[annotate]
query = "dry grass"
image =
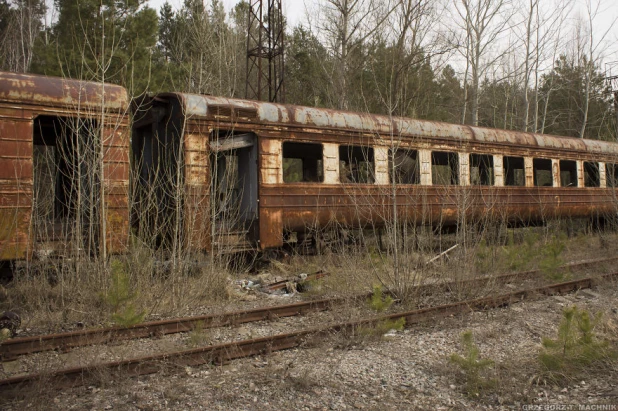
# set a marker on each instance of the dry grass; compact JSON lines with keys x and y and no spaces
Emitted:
{"x":77,"y":296}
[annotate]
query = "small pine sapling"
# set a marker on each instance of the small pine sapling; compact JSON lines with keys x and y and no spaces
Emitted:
{"x":121,"y":299}
{"x":378,"y":301}
{"x":472,"y":366}
{"x":577,"y":346}
{"x":552,"y":263}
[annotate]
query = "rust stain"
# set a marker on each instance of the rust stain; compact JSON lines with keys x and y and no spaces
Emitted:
{"x":59,"y":92}
{"x":24,"y":97}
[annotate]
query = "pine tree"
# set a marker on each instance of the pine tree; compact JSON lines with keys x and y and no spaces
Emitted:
{"x":102,"y":41}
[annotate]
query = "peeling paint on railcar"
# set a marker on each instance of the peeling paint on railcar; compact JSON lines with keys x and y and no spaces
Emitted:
{"x":22,"y":99}
{"x":196,"y":105}
{"x":60,"y":92}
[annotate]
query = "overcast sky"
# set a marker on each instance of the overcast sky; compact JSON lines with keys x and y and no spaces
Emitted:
{"x":296,"y":13}
{"x":294,"y":10}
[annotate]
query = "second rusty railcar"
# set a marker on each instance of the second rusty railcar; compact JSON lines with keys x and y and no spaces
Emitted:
{"x":261,"y":174}
{"x":64,"y":167}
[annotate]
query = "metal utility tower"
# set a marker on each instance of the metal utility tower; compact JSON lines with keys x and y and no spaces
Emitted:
{"x":265,"y":51}
{"x":611,"y":77}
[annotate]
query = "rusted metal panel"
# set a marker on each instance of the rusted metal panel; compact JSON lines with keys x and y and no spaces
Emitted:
{"x":379,"y":125}
{"x":424,"y":157}
{"x":580,"y":174}
{"x":271,"y":228}
{"x":381,"y":164}
{"x":197,"y":191}
{"x":271,"y":168}
{"x":23,"y":98}
{"x":464,"y":169}
{"x":16,"y":169}
{"x":14,"y":233}
{"x":602,"y":175}
{"x":498,"y":170}
{"x":16,"y":173}
{"x":555,"y":172}
{"x":330,"y":153}
{"x":310,"y":205}
{"x":58,"y":92}
{"x":529,"y":171}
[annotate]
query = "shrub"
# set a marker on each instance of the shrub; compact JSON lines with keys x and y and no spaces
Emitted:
{"x":382,"y":327}
{"x":378,"y":301}
{"x":472,"y":366}
{"x":483,"y":260}
{"x":551,"y":264}
{"x":121,"y":299}
{"x":577,"y":346}
{"x":197,"y":335}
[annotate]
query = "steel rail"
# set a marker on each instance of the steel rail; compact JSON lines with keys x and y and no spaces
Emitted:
{"x":15,"y":347}
{"x":224,"y":352}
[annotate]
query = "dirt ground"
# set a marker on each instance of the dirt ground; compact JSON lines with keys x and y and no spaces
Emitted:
{"x":406,"y":369}
{"x":401,"y":370}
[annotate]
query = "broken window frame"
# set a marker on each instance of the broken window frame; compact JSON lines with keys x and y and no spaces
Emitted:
{"x":401,"y":173}
{"x":452,"y":165}
{"x":541,"y":172}
{"x":592,"y":174}
{"x":510,"y":177}
{"x":486,"y":178}
{"x":305,"y":170}
{"x":611,"y":175}
{"x":362,"y":169}
{"x":570,"y":167}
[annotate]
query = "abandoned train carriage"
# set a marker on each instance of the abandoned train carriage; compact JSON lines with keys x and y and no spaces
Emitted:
{"x":64,"y":166}
{"x":278,"y":171}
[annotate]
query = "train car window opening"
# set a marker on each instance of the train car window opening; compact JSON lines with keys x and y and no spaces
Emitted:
{"x":356,"y":164}
{"x":303,"y":162}
{"x":403,"y":167}
{"x":444,"y":168}
{"x":542,"y":172}
{"x":481,"y":169}
{"x":611,"y":174}
{"x":66,"y":177}
{"x":514,"y":171}
{"x":568,"y":173}
{"x":591,"y":174}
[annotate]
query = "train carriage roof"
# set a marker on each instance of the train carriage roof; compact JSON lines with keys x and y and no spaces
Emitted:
{"x":203,"y":105}
{"x":60,"y":92}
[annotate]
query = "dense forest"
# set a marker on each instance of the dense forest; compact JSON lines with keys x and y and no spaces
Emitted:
{"x":509,"y":64}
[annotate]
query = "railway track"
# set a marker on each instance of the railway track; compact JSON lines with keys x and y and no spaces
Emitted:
{"x":13,"y":348}
{"x":222,"y":353}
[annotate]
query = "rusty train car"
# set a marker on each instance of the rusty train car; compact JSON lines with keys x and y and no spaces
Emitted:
{"x":64,"y":166}
{"x":295,"y":169}
{"x":80,"y":164}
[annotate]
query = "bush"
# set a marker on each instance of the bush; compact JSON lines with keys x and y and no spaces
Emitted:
{"x":121,"y":299}
{"x":520,"y":256}
{"x":472,"y":366}
{"x":577,"y":346}
{"x":381,"y":328}
{"x":378,"y":301}
{"x":552,"y":262}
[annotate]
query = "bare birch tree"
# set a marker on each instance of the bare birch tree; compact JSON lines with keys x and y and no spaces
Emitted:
{"x":482,"y":23}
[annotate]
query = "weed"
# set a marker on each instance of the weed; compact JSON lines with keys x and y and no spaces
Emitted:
{"x":520,"y":256}
{"x":577,"y":346}
{"x":121,"y":299}
{"x":382,"y":327}
{"x":378,"y":301}
{"x":552,"y":259}
{"x":472,"y":366}
{"x":197,"y":336}
{"x":483,"y":260}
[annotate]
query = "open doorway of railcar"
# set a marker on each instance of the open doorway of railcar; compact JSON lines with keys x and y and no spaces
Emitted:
{"x":234,"y":188}
{"x":66,"y":185}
